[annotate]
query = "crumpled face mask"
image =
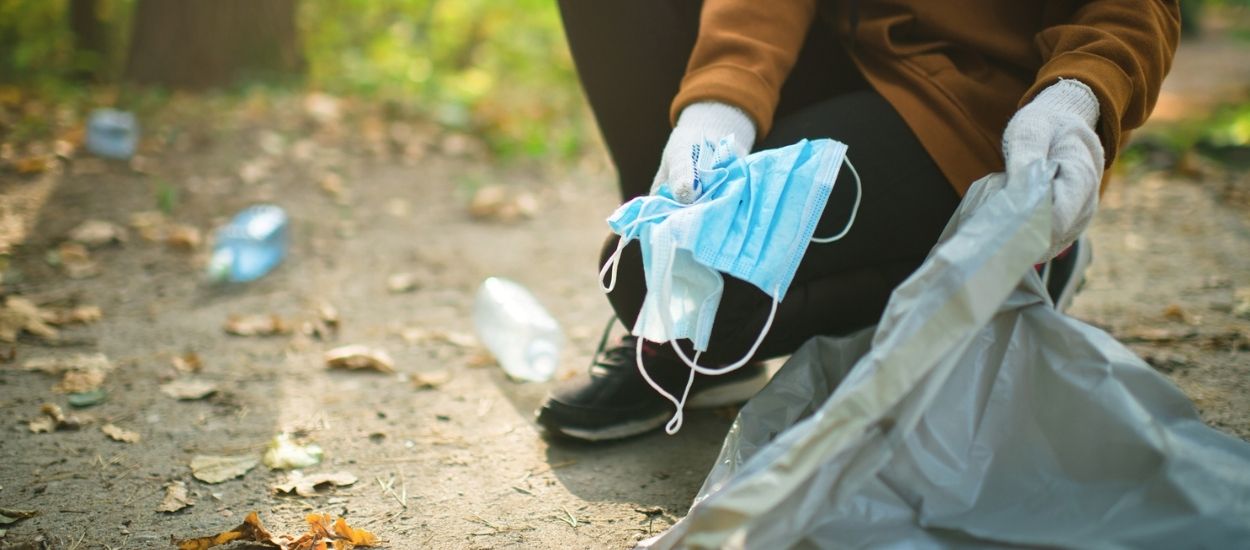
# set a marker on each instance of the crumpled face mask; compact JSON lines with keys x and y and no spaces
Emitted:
{"x":753,"y":219}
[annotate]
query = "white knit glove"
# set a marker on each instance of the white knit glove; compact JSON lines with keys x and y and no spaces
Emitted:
{"x":699,"y":124}
{"x":1059,"y":126}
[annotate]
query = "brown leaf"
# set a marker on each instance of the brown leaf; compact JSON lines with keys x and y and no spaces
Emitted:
{"x":76,"y":262}
{"x":20,"y":315}
{"x":80,"y":381}
{"x":401,"y":282}
{"x":94,"y":233}
{"x":256,"y":325}
{"x":37,"y":164}
{"x":76,"y":315}
{"x":250,"y":530}
{"x":430,"y":380}
{"x":76,"y":362}
{"x":216,"y":469}
{"x":183,"y":237}
{"x":306,"y":486}
{"x":188,"y":362}
{"x":358,"y":357}
{"x":184,"y":389}
{"x":118,"y":434}
{"x":52,"y":419}
{"x":176,"y":498}
{"x":150,"y":225}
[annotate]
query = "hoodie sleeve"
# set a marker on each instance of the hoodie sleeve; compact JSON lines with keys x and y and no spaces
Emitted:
{"x":1121,"y":49}
{"x":743,"y":54}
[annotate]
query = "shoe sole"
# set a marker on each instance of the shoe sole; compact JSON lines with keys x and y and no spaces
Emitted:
{"x":719,"y":396}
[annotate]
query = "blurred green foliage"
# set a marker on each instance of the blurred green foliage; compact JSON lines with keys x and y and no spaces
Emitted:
{"x":499,"y":69}
{"x":496,"y":67}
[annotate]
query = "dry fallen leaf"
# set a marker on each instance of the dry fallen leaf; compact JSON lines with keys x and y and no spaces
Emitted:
{"x":216,"y":469}
{"x":306,"y":486}
{"x":497,"y":203}
{"x":417,"y":335}
{"x":33,"y":165}
{"x":80,"y":381}
{"x":118,"y":434}
{"x":323,"y":533}
{"x":285,"y":454}
{"x":332,"y":184}
{"x":82,"y":372}
{"x":20,"y":315}
{"x":250,"y":530}
{"x":254,"y":170}
{"x":183,"y":237}
{"x":95,"y":233}
{"x":188,"y":362}
{"x":176,"y":498}
{"x":321,"y":107}
{"x":150,"y":225}
{"x":52,"y":419}
{"x":1242,"y":306}
{"x":256,"y":325}
{"x":76,"y":261}
{"x":184,"y":389}
{"x":430,"y":380}
{"x":76,"y":362}
{"x":75,"y":315}
{"x":358,"y":357}
{"x":401,"y":282}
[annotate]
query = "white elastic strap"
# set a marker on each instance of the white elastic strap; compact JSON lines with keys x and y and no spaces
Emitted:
{"x":859,"y":195}
{"x":613,"y":261}
{"x":693,"y":363}
{"x":674,"y":423}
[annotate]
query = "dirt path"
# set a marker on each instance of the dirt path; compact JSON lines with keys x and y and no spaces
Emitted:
{"x":461,"y":465}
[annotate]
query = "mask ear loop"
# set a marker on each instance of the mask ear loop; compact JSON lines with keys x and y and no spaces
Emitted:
{"x":613,"y":262}
{"x":674,"y":423}
{"x":859,"y":195}
{"x":693,"y":363}
{"x":615,"y":259}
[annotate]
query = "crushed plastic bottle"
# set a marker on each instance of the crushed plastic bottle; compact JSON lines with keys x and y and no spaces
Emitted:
{"x":251,"y":245}
{"x":112,"y":134}
{"x":522,"y":336}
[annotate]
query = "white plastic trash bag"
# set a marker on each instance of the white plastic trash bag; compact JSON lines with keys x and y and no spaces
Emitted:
{"x":973,"y":416}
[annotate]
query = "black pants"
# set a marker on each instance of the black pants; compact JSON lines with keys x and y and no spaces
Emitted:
{"x":631,"y":55}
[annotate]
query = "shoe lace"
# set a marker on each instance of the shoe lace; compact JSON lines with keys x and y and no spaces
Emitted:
{"x":619,"y":355}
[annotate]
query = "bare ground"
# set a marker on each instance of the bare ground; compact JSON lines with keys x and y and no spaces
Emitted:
{"x":461,"y":465}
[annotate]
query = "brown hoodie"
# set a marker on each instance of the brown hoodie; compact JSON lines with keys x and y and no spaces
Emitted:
{"x":956,"y":70}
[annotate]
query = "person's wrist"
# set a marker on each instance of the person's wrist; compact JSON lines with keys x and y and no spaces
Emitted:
{"x":1072,"y":96}
{"x":716,"y":120}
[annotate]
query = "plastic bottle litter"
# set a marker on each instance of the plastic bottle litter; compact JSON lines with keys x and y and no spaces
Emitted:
{"x":112,"y":134}
{"x":251,"y":245}
{"x":517,"y":330}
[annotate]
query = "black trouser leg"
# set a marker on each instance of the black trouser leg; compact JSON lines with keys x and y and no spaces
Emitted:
{"x":630,"y":57}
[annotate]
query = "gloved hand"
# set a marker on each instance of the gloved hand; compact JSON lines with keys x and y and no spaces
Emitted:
{"x":1059,"y":126}
{"x":705,"y":121}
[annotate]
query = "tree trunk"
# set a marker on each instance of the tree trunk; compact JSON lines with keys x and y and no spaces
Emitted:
{"x":90,"y":38}
{"x":198,"y":44}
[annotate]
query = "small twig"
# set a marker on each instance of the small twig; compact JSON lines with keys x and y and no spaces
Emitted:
{"x":388,"y":487}
{"x":571,"y":520}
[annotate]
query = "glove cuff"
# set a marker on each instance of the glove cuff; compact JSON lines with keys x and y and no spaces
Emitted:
{"x":718,"y":120}
{"x":1071,"y":96}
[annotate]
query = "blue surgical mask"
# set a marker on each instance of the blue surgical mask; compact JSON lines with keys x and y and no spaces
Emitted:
{"x":753,"y":219}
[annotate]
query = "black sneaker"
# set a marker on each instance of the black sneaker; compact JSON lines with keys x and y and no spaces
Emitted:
{"x":1065,"y":274}
{"x":613,"y":401}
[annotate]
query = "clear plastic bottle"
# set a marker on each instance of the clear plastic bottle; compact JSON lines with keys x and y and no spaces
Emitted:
{"x":517,"y":330}
{"x":251,"y":245}
{"x":112,"y":134}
